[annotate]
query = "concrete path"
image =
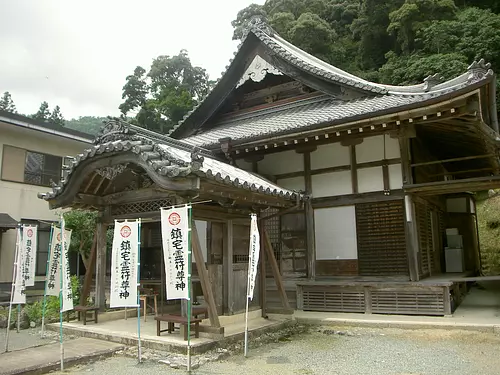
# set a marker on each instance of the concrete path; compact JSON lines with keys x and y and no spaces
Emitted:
{"x":46,"y":358}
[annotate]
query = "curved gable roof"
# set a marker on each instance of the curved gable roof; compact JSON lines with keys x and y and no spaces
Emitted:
{"x":261,"y":37}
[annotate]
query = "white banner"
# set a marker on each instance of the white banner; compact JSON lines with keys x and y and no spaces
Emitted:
{"x":19,"y":294}
{"x":29,"y":245}
{"x":67,"y":291}
{"x":54,"y":270}
{"x":253,"y":255}
{"x":175,"y":236}
{"x":124,"y":260}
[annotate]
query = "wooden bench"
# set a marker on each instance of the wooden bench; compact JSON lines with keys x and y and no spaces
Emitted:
{"x":182,"y":320}
{"x":85,"y":309}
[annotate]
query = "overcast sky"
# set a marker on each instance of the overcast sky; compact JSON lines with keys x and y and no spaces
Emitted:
{"x":77,"y":54}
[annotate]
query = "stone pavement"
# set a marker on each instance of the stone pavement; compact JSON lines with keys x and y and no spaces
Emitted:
{"x":43,"y":359}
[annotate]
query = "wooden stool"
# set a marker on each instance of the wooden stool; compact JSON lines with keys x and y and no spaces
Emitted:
{"x":172,"y":319}
{"x":84,"y":309}
{"x":144,"y":299}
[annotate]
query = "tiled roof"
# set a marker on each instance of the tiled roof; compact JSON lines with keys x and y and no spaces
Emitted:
{"x":302,"y":60}
{"x":168,"y":159}
{"x":304,"y":115}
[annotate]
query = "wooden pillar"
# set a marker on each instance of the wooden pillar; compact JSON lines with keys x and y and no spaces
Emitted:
{"x":204,"y":279}
{"x":262,"y":271}
{"x":309,"y":213}
{"x":412,"y":244}
{"x":354,"y":168}
{"x":227,"y":256}
{"x":100,"y":299}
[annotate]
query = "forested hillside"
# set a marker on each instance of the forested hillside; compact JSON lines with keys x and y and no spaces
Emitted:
{"x":389,"y":41}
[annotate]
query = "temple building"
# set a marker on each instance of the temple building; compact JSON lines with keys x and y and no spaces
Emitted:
{"x":363,"y":190}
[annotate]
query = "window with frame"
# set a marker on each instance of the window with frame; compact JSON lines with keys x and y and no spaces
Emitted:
{"x":35,"y":168}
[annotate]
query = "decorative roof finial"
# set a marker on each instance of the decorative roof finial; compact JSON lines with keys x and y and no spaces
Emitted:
{"x":112,"y":130}
{"x":257,"y":23}
{"x":431,"y":81}
{"x":478,"y":70}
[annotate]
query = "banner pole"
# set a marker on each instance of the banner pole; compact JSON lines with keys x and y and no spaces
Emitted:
{"x":46,"y":281}
{"x":18,"y":326}
{"x":189,"y":304}
{"x":138,"y":295}
{"x":61,"y":293}
{"x":14,"y":274}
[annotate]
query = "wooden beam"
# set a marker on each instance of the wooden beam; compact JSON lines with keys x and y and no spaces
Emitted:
{"x":309,"y":212}
{"x":454,"y":186}
{"x":454,"y":160}
{"x":405,"y":152}
{"x":101,"y":266}
{"x":87,"y":283}
{"x":203,"y":275}
{"x":351,"y":199}
{"x":89,"y":184}
{"x":101,"y":181}
{"x":275,"y":270}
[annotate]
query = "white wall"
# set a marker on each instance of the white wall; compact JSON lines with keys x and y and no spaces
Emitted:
{"x":370,"y":179}
{"x":335,"y":233}
{"x":372,"y":149}
{"x":330,"y":155}
{"x":335,"y":183}
{"x":19,"y":200}
{"x":281,"y":162}
{"x":395,"y":176}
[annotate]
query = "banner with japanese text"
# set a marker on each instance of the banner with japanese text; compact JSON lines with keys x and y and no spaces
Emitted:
{"x":175,"y":238}
{"x":55,"y":257}
{"x":67,"y":291}
{"x":253,"y":256}
{"x":124,"y":261}
{"x":29,"y":246}
{"x":19,"y":290}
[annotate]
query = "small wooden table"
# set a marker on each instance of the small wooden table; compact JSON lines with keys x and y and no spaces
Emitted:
{"x":84,"y":309}
{"x":182,"y":320}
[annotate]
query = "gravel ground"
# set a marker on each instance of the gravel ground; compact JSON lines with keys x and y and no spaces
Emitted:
{"x":28,"y":338}
{"x":343,"y":351}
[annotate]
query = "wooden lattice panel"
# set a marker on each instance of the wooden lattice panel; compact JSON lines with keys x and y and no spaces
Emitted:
{"x":381,"y":238}
{"x":333,"y":300}
{"x":417,"y":302}
{"x":140,"y":207}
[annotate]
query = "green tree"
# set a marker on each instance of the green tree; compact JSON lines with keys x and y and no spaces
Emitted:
{"x":170,"y":89}
{"x":242,"y":18}
{"x":414,"y":15}
{"x":6,"y":103}
{"x":56,"y":116}
{"x":134,"y":91}
{"x":43,"y":113}
{"x":83,"y":225}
